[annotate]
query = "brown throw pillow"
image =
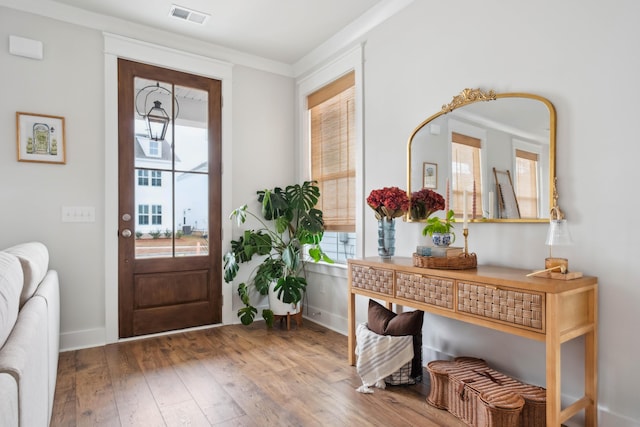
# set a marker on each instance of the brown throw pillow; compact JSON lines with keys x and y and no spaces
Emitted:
{"x":383,"y":321}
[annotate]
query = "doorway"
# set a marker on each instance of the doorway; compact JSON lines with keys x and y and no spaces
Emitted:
{"x":169,"y":200}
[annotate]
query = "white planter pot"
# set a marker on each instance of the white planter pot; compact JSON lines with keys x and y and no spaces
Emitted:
{"x":278,"y":307}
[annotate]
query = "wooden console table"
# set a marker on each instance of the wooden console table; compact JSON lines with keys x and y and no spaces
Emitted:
{"x":548,"y":310}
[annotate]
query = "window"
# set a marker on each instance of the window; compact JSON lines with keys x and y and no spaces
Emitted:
{"x":154,"y":148}
{"x":527,"y":183}
{"x":143,"y":214}
{"x":333,"y":161}
{"x":342,"y":184}
{"x":156,"y":214}
{"x":156,"y":179}
{"x":143,"y":177}
{"x":465,"y":164}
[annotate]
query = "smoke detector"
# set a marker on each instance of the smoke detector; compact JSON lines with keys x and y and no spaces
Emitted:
{"x":185,"y":14}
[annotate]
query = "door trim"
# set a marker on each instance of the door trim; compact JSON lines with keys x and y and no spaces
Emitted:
{"x":122,"y":47}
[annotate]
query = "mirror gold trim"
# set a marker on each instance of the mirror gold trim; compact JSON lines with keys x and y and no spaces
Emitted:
{"x":472,"y":96}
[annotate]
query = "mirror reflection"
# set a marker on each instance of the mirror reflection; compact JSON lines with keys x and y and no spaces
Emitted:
{"x":496,"y":151}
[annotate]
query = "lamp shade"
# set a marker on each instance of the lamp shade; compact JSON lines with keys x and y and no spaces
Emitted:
{"x":558,"y":234}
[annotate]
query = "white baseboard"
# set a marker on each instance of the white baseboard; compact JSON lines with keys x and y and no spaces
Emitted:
{"x":82,"y":339}
{"x":328,"y":320}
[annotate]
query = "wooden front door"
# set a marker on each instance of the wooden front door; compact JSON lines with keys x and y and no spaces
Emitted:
{"x":169,"y":251}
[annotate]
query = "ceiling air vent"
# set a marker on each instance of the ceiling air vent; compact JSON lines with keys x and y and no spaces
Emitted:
{"x":185,"y":14}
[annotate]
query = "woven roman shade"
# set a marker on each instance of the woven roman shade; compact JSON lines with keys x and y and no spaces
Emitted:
{"x":333,"y":144}
{"x":465,"y":156}
{"x":527,"y":183}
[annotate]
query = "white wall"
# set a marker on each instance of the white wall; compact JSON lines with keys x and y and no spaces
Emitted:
{"x":582,"y":55}
{"x":70,"y":82}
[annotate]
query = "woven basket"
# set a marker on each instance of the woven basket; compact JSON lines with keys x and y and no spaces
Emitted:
{"x":460,"y":262}
{"x":483,"y":397}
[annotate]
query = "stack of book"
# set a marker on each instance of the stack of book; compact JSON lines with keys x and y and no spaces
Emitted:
{"x":449,"y":251}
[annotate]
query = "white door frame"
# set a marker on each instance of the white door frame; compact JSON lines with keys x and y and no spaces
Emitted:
{"x":122,"y":47}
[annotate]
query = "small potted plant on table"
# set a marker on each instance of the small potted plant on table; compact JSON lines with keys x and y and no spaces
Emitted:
{"x":440,"y":229}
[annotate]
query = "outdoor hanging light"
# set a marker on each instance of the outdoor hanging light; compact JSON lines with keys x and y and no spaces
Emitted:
{"x":156,"y":117}
{"x":157,"y":121}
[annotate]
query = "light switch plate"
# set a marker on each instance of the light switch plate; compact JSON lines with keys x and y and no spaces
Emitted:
{"x":78,"y":214}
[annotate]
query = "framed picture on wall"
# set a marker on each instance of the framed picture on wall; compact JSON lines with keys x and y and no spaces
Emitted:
{"x":429,"y":175}
{"x":40,"y":138}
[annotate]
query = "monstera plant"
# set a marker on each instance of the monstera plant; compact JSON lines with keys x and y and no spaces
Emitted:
{"x":295,"y":224}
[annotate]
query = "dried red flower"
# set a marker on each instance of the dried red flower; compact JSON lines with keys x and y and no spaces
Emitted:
{"x":425,"y":202}
{"x":389,"y":202}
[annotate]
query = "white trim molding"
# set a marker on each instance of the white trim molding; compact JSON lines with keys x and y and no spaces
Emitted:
{"x":115,"y":47}
{"x":351,"y":60}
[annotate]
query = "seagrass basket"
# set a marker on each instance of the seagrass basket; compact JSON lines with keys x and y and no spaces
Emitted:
{"x":463,"y":261}
{"x":483,"y":397}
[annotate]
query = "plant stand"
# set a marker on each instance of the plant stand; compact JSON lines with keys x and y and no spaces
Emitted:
{"x":297,"y":317}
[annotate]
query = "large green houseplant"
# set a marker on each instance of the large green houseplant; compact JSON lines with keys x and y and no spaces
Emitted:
{"x":296,"y":224}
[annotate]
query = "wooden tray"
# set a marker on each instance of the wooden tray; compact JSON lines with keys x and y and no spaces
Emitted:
{"x":460,"y":262}
{"x":559,"y":276}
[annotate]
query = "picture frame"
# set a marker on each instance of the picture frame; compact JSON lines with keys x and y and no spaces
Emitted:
{"x":40,"y":138}
{"x":429,"y":175}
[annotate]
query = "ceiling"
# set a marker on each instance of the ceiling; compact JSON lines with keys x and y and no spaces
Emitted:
{"x":280,"y":30}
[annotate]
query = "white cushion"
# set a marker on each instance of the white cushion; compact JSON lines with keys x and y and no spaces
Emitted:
{"x":11,"y":282}
{"x":34,"y":257}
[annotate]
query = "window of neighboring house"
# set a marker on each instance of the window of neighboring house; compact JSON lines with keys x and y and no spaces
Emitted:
{"x":527,"y":183}
{"x":156,"y":214}
{"x":465,"y":162}
{"x":143,"y":177}
{"x":156,"y":178}
{"x":154,"y":148}
{"x":143,"y":214}
{"x":333,"y":162}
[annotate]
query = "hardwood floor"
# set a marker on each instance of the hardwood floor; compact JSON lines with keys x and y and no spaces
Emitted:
{"x":231,"y":376}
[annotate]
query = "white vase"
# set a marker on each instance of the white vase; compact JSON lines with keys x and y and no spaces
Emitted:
{"x":278,"y":307}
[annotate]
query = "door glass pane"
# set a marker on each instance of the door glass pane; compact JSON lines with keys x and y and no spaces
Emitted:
{"x":153,"y":217}
{"x":171,"y":221}
{"x":191,"y":141}
{"x":192,"y":208}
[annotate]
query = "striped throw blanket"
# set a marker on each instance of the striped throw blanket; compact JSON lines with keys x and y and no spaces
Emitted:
{"x":380,"y":356}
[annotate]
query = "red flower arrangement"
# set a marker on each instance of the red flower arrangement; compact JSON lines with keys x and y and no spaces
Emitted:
{"x":425,"y":202}
{"x":389,"y":202}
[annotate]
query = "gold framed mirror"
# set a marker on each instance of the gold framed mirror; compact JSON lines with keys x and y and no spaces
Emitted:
{"x":497,"y":149}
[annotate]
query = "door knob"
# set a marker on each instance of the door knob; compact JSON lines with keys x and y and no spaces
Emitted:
{"x":126,"y":233}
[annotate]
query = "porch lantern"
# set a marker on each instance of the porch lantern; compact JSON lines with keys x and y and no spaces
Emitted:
{"x":157,"y":121}
{"x":156,"y":118}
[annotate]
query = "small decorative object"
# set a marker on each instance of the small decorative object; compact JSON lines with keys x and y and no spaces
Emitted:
{"x":456,"y":260}
{"x":386,"y":238}
{"x":40,"y":138}
{"x":423,"y":250}
{"x":425,"y":202}
{"x":443,"y":239}
{"x":440,"y":229}
{"x":429,"y":175}
{"x":558,"y":235}
{"x":388,"y":203}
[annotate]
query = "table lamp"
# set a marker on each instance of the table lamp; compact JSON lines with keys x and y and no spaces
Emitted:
{"x":557,"y":235}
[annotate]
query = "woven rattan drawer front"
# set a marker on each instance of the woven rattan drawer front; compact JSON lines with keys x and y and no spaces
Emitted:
{"x":372,"y":279}
{"x":508,"y":305}
{"x":426,"y":289}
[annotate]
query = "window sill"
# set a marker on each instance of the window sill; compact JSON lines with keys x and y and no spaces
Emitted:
{"x":336,"y":270}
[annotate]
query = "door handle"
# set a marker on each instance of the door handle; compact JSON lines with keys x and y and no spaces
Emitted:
{"x":126,"y":233}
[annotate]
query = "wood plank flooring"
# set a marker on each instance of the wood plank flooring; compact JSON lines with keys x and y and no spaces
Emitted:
{"x":231,"y":376}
